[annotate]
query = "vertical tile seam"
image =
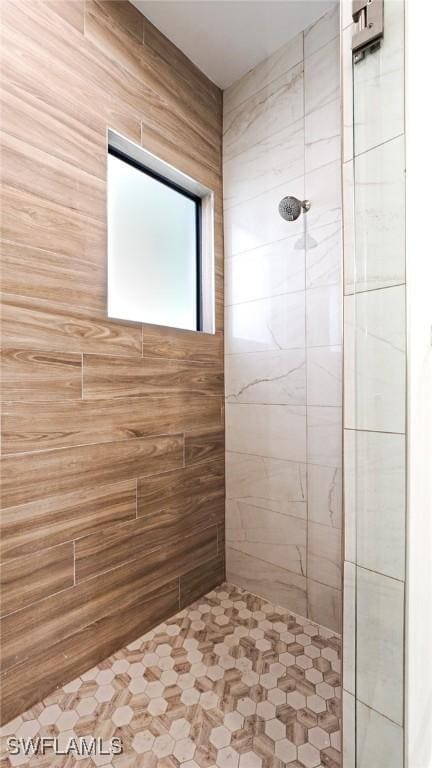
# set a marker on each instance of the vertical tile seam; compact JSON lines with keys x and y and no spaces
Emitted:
{"x":305,"y":333}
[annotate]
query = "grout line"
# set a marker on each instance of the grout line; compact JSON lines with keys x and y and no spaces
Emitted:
{"x":230,"y":401}
{"x":265,"y":87}
{"x":374,"y":290}
{"x":377,"y":711}
{"x":285,"y":570}
{"x":285,"y":609}
{"x":247,"y":251}
{"x":286,"y":461}
{"x":100,"y":574}
{"x":288,"y":349}
{"x":292,"y":126}
{"x":313,"y":228}
{"x":372,"y":570}
{"x":377,"y":146}
{"x":331,"y":39}
{"x":305,"y":232}
{"x":374,"y":431}
{"x":284,"y":183}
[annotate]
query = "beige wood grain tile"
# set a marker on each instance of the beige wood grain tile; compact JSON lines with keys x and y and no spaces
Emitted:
{"x":112,"y":377}
{"x":126,"y":16}
{"x":48,"y":621}
{"x":181,"y":150}
{"x":24,"y":54}
{"x":36,"y":171}
{"x":139,"y":539}
{"x":184,"y":492}
{"x":49,"y":275}
{"x":208,"y":92}
{"x":27,"y":528}
{"x":27,"y":579}
{"x":182,"y":345}
{"x":46,"y":425}
{"x":70,"y":12}
{"x":70,"y":71}
{"x":32,"y":476}
{"x":28,"y":220}
{"x":63,"y":659}
{"x":176,"y":93}
{"x":204,"y":444}
{"x":28,"y":374}
{"x":62,"y":56}
{"x":27,"y":322}
{"x":208,"y":576}
{"x":65,"y":136}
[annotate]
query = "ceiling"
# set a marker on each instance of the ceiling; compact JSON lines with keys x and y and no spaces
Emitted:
{"x":227,"y":38}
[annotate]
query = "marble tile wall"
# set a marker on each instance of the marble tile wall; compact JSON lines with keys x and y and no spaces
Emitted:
{"x":283,"y":326}
{"x":374,"y":395}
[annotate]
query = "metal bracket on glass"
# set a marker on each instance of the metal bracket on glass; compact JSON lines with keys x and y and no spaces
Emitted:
{"x":368,"y":16}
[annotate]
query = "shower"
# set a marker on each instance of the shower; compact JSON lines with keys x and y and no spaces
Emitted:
{"x":290,"y":207}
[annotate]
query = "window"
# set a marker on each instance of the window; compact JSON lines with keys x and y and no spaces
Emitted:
{"x":155,"y":241}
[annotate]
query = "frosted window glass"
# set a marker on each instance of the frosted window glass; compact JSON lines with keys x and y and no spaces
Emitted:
{"x":152,"y":249}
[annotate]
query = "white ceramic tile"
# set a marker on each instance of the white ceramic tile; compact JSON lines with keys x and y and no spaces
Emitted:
{"x":264,"y":73}
{"x":322,"y":135}
{"x":324,"y":605}
{"x":269,"y":581}
{"x":324,"y":495}
{"x":349,"y":627}
{"x":267,"y":112}
{"x":269,"y":483}
{"x":324,"y":436}
{"x":322,"y":30}
{"x":375,"y":499}
{"x":324,"y":560}
{"x":379,"y":86}
{"x":276,"y":158}
{"x":257,"y":222}
{"x":267,"y":377}
{"x":324,"y":316}
{"x":375,"y":360}
{"x":347,"y":93}
{"x":349,"y":481}
{"x":379,"y":219}
{"x":324,"y":376}
{"x":323,"y":189}
{"x":323,"y":255}
{"x":277,"y":431}
{"x":321,"y":76}
{"x":349,"y":233}
{"x":269,"y":536}
{"x":271,"y":270}
{"x":266,"y":324}
{"x":349,"y":721}
{"x":380,"y":643}
{"x":379,"y":741}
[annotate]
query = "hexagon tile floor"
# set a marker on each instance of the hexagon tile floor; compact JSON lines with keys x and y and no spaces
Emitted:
{"x":232,"y":681}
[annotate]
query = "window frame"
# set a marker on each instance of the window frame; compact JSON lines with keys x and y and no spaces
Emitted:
{"x":196,"y":199}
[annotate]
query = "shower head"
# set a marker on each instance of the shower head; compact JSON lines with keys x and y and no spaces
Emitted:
{"x":290,"y":208}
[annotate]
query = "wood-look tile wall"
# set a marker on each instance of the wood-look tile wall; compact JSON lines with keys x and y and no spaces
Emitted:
{"x":112,"y":433}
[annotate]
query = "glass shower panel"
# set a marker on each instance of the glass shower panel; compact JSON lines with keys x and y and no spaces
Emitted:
{"x":374,"y":398}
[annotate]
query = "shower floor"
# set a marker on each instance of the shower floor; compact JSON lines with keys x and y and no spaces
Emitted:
{"x":232,"y":681}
